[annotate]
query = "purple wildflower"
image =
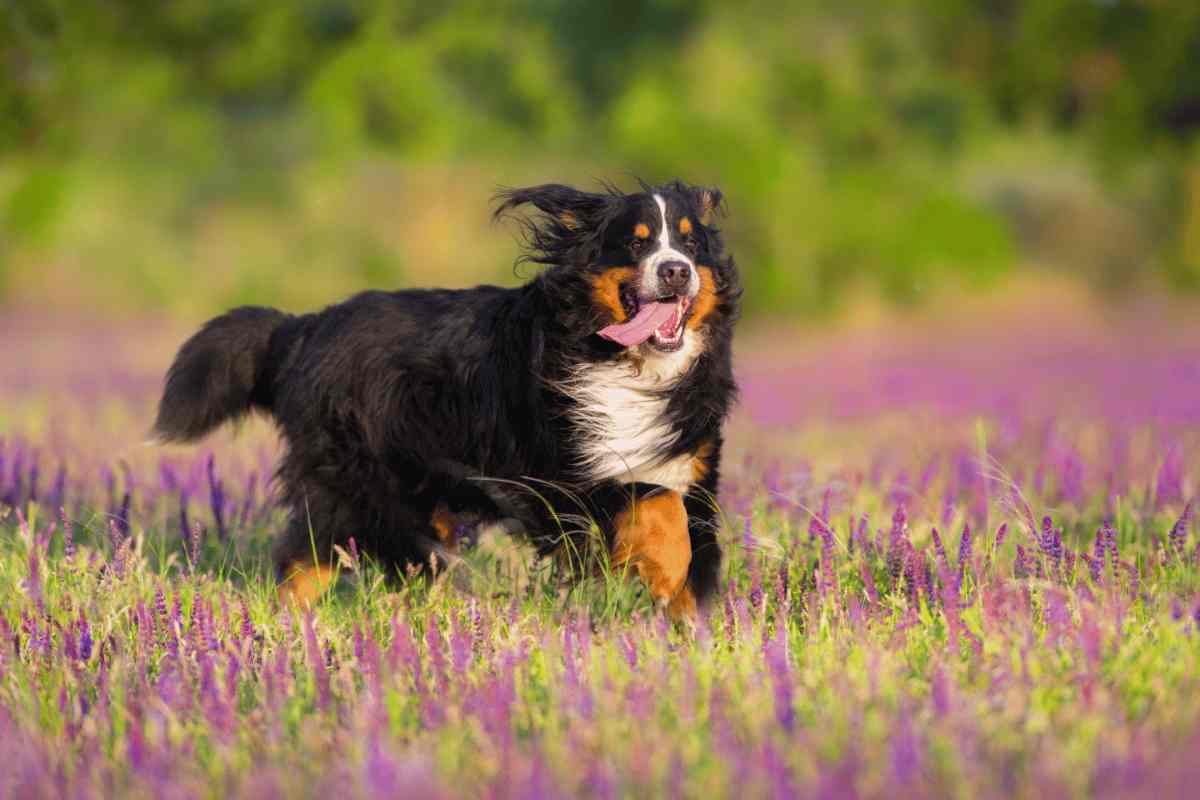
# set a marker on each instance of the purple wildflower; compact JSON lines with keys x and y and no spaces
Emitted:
{"x":59,"y":490}
{"x":906,"y":756}
{"x":121,"y":523}
{"x":68,"y":535}
{"x":32,"y":492}
{"x":965,"y":549}
{"x":1179,"y":531}
{"x":185,"y":527}
{"x":33,"y":583}
{"x":1110,"y":544}
{"x":1001,"y":533}
{"x":898,"y":544}
{"x":928,"y":583}
{"x":943,"y":559}
{"x":437,"y":655}
{"x":85,"y":639}
{"x":216,"y":497}
{"x":460,"y":646}
{"x":317,"y":662}
{"x":629,"y":650}
{"x":1021,"y":565}
{"x":820,"y":521}
{"x":781,"y":584}
{"x":781,"y":681}
{"x":247,"y":629}
{"x":197,"y":541}
{"x":756,"y":590}
{"x":868,"y":582}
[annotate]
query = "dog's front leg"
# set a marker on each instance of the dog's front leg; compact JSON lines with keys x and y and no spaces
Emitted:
{"x":651,"y":535}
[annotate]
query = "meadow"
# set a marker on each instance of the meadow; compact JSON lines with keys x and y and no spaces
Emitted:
{"x":960,"y":561}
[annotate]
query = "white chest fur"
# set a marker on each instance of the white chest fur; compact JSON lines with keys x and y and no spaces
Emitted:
{"x":620,"y":414}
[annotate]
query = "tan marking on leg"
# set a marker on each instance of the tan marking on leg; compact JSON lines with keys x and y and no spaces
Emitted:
{"x":443,"y":523}
{"x":652,"y":536}
{"x":305,"y":583}
{"x":706,"y":300}
{"x":606,"y":289}
{"x":682,"y":607}
{"x":700,"y":465}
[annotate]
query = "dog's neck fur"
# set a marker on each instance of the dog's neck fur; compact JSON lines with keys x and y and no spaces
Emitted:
{"x":620,"y":414}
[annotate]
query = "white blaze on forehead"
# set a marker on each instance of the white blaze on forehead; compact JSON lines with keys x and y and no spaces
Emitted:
{"x":664,"y":233}
{"x":666,"y":252}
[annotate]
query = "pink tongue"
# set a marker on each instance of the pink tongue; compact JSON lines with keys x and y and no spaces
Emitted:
{"x":641,"y":327}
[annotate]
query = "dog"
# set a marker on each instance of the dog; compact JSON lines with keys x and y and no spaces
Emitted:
{"x":592,"y":397}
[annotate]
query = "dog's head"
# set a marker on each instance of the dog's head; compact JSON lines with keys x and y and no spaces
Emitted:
{"x":648,"y":267}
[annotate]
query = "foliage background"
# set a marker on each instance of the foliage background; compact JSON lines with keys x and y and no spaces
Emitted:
{"x":179,"y":156}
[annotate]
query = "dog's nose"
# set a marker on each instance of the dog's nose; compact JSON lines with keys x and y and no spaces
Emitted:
{"x":675,"y":275}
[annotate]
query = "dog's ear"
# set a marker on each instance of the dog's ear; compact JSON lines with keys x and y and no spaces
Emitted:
{"x":566,"y":205}
{"x":709,"y":199}
{"x":567,"y":216}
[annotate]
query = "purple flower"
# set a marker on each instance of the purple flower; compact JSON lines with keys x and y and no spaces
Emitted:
{"x":1168,"y":484}
{"x":1179,"y":531}
{"x":247,"y":630}
{"x":629,"y":650}
{"x":781,"y":584}
{"x":939,"y":692}
{"x":747,"y":535}
{"x":68,"y":535}
{"x":781,"y":681}
{"x":33,"y":481}
{"x":33,"y":584}
{"x":906,"y":755}
{"x":943,"y":559}
{"x":820,"y":521}
{"x":121,"y":522}
{"x":898,"y":544}
{"x":929,"y":586}
{"x":317,"y":663}
{"x":185,"y":527}
{"x":1110,"y":543}
{"x":197,"y":541}
{"x":1001,"y":533}
{"x":85,"y":639}
{"x":437,"y":655}
{"x":965,"y":549}
{"x":756,"y":590}
{"x":59,"y":490}
{"x":1021,"y":565}
{"x":460,"y":647}
{"x":868,"y":583}
{"x":216,"y":497}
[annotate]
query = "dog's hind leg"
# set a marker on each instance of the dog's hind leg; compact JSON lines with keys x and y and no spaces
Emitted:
{"x":303,"y":565}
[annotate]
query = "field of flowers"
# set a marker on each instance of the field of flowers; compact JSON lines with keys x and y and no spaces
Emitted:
{"x":960,"y":561}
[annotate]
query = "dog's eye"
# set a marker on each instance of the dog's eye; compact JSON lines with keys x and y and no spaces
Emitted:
{"x":636,"y":246}
{"x":690,"y":244}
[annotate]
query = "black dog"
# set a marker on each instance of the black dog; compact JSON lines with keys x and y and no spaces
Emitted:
{"x":596,"y":392}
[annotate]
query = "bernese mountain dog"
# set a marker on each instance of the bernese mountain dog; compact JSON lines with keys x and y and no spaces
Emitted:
{"x":585,"y":406}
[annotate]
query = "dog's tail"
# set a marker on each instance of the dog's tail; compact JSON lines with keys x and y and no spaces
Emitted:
{"x":219,"y":374}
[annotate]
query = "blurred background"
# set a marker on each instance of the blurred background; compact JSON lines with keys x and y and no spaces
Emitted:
{"x":172,"y":157}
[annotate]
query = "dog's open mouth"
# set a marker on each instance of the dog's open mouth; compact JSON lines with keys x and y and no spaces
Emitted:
{"x":661,"y":321}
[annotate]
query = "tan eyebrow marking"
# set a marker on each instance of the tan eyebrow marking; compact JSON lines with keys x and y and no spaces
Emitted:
{"x":641,"y":230}
{"x":685,"y":226}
